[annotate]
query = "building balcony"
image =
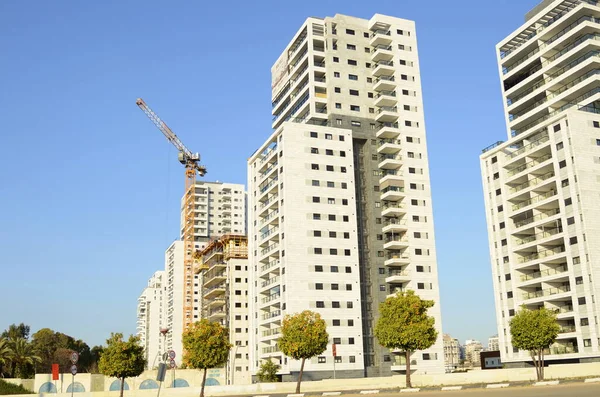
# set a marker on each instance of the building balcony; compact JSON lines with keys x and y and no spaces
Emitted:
{"x":389,"y":146}
{"x":269,"y":282}
{"x":546,"y":293}
{"x":217,"y":315}
{"x":559,"y":350}
{"x":530,"y":164}
{"x":270,"y":315}
{"x":397,"y":260}
{"x":387,"y":114}
{"x":393,"y":209}
{"x":386,"y":98}
{"x":380,"y":36}
{"x":214,"y":279}
{"x":541,"y":254}
{"x":393,"y":225}
{"x":538,"y":200}
{"x":382,"y":52}
{"x":213,"y":292}
{"x":398,"y":276}
{"x":392,"y":193}
{"x":270,"y":265}
{"x":214,"y":303}
{"x":388,"y":131}
{"x":391,"y":178}
{"x":538,"y":180}
{"x":383,"y":68}
{"x":523,"y":242}
{"x":390,"y":161}
{"x":272,"y":333}
{"x":537,"y":144}
{"x":396,"y":243}
{"x":385,"y":83}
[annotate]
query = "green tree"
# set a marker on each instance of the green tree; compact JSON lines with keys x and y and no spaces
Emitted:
{"x":15,"y":331}
{"x":268,"y":372}
{"x":5,"y":354}
{"x":206,"y":345}
{"x":23,"y":358}
{"x":56,"y":347}
{"x":95,"y":352}
{"x":122,"y":359}
{"x":303,"y":335}
{"x":534,"y":330}
{"x":404,"y":324}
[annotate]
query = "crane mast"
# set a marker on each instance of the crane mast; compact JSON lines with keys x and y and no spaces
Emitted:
{"x":191,"y":161}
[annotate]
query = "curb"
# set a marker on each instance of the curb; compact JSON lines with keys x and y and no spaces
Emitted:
{"x":451,"y":388}
{"x":498,"y":385}
{"x":410,"y":390}
{"x":332,"y":393}
{"x":591,"y":380}
{"x":369,"y":392}
{"x":296,"y":395}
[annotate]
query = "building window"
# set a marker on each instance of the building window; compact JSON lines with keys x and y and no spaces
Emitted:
{"x":350,"y":32}
{"x":596,"y":124}
{"x":314,"y":166}
{"x":336,"y":323}
{"x":330,"y":184}
{"x":351,"y":359}
{"x":587,"y":343}
{"x":355,"y":108}
{"x":348,"y":287}
{"x":338,"y":105}
{"x":315,"y":182}
{"x":562,"y":163}
{"x":322,"y":360}
{"x":316,"y":199}
{"x":337,"y":89}
{"x":581,"y":300}
{"x":331,"y":217}
{"x":350,"y":47}
{"x":316,"y":217}
{"x":334,"y":269}
{"x":352,"y":62}
{"x":354,"y":92}
{"x":349,"y":305}
{"x":318,"y":251}
{"x":333,"y":251}
{"x":584,"y":322}
{"x":350,"y":323}
{"x":352,"y":77}
{"x":332,"y":234}
{"x":320,"y":304}
{"x":335,"y":305}
{"x":329,"y":152}
{"x":314,"y":135}
{"x":318,"y":268}
{"x":319,"y":286}
{"x":336,"y":59}
{"x":329,"y":168}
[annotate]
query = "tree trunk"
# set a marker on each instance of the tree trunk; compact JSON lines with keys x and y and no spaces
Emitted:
{"x":541,"y":364}
{"x":300,"y":377}
{"x":203,"y":382}
{"x":122,"y":385}
{"x":408,"y":383}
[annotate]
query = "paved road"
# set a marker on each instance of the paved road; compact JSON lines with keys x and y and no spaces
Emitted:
{"x":569,"y":390}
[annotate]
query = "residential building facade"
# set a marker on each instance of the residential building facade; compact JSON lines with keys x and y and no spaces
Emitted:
{"x":150,"y":312}
{"x":224,"y":291}
{"x":493,"y":343}
{"x":358,"y":79}
{"x":541,"y":186}
{"x":451,"y":353}
{"x":473,"y":348}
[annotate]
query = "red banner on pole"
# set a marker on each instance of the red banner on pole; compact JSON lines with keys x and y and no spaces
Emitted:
{"x":334,"y":350}
{"x":55,"y":371}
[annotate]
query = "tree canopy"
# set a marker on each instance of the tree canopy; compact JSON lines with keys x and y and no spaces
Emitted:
{"x":404,"y":325}
{"x":304,"y":335}
{"x":534,"y":331}
{"x":122,"y":359}
{"x":206,"y":345}
{"x":268,"y":372}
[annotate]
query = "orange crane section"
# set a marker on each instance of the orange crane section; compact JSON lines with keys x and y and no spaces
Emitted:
{"x":191,"y":161}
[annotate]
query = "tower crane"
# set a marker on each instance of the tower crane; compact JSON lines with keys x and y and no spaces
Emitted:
{"x":191,"y":161}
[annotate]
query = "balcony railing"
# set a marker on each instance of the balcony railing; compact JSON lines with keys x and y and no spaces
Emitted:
{"x":270,"y":281}
{"x":392,"y":189}
{"x":393,"y":205}
{"x":529,"y":164}
{"x":546,"y":292}
{"x":269,"y":201}
{"x":562,"y":309}
{"x":532,"y":182}
{"x":272,"y":314}
{"x":392,"y":109}
{"x":380,"y":31}
{"x":269,"y":248}
{"x":539,"y":216}
{"x":272,"y":331}
{"x":391,"y":172}
{"x":561,"y":350}
{"x":383,"y":47}
{"x":270,"y":349}
{"x":544,"y":273}
{"x":271,"y":298}
{"x":383,"y":141}
{"x":387,"y":124}
{"x":393,"y":221}
{"x":269,"y":185}
{"x":383,"y":157}
{"x":270,"y":216}
{"x":550,"y":77}
{"x":385,"y":78}
{"x":542,"y":254}
{"x":528,"y":147}
{"x":269,"y":265}
{"x":383,"y":62}
{"x":392,"y":273}
{"x":565,"y":329}
{"x":386,"y":93}
{"x":538,"y":236}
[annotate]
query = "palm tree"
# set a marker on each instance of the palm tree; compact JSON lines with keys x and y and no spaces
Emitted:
{"x":22,"y":356}
{"x":5,"y":354}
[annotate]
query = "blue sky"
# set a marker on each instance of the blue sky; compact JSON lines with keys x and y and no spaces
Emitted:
{"x":89,"y":190}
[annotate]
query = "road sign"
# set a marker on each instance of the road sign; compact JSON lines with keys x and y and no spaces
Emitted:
{"x":74,"y":369}
{"x":74,"y":357}
{"x":172,"y":354}
{"x":172,"y":364}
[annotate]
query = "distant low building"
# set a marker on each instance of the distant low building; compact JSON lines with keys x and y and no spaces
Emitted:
{"x":490,"y":359}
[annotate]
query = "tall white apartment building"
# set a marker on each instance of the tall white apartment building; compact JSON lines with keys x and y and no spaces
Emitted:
{"x":150,"y":312}
{"x":224,"y":298}
{"x":174,"y":298}
{"x":542,"y":186}
{"x":451,"y":353}
{"x":493,"y":343}
{"x":347,"y":165}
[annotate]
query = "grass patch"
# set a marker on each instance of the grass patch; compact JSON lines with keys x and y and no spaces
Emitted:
{"x":8,"y":388}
